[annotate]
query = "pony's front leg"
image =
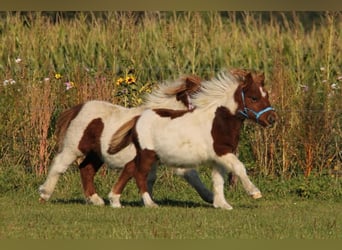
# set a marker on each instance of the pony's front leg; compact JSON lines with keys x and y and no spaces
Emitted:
{"x":191,"y":176}
{"x":232,"y":163}
{"x":88,"y":169}
{"x":218,"y":185}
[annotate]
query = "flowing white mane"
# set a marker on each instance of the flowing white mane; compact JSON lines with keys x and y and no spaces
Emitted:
{"x":217,"y":92}
{"x":160,"y":96}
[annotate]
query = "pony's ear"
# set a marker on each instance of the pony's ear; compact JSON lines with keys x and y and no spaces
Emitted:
{"x":261,"y":78}
{"x":248,"y":81}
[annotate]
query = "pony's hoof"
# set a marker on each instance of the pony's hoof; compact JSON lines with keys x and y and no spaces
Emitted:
{"x":224,"y":206}
{"x":152,"y":205}
{"x":42,"y":200}
{"x":96,"y":200}
{"x":116,"y":205}
{"x":256,"y":195}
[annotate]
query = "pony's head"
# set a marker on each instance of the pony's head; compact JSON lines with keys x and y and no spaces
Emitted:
{"x":252,"y":98}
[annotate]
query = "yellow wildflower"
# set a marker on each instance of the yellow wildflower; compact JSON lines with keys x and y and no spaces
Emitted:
{"x":119,"y":81}
{"x":58,"y":76}
{"x":130,"y":79}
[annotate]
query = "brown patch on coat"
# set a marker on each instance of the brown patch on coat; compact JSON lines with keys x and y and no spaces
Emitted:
{"x":225,"y":131}
{"x":90,"y":141}
{"x":63,"y":123}
{"x":122,"y":137}
{"x":171,"y":113}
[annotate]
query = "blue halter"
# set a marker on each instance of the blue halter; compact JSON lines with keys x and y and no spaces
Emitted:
{"x":245,"y":110}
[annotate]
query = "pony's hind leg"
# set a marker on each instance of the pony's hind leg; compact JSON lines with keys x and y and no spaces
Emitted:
{"x":88,"y":168}
{"x":59,"y":165}
{"x":218,"y":186}
{"x":151,"y":179}
{"x":138,"y":168}
{"x":126,"y":174}
{"x":144,"y":161}
{"x":191,"y":176}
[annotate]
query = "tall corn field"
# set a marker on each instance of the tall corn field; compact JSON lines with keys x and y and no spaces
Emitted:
{"x":50,"y":64}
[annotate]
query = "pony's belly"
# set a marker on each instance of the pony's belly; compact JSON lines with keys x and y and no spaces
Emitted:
{"x":187,"y":156}
{"x":120,"y":159}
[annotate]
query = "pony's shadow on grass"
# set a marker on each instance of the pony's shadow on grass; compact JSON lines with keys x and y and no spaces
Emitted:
{"x":69,"y":201}
{"x":168,"y":203}
{"x":137,"y":203}
{"x":162,"y":203}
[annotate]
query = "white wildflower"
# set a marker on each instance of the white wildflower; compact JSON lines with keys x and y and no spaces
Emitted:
{"x":334,"y":86}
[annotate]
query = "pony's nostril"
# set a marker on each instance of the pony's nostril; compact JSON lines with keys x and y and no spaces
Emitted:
{"x":271,"y":119}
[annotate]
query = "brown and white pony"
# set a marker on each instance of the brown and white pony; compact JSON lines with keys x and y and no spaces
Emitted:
{"x":86,"y":131}
{"x":209,"y":133}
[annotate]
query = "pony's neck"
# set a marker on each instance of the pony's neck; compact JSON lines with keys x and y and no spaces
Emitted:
{"x":225,"y":131}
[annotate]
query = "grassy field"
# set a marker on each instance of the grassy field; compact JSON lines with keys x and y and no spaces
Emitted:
{"x":290,"y":209}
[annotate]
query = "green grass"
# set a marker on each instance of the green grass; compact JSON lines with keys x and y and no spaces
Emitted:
{"x":285,"y":211}
{"x":280,"y":219}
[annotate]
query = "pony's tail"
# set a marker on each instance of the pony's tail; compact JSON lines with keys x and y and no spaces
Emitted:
{"x":63,"y":123}
{"x":122,"y":137}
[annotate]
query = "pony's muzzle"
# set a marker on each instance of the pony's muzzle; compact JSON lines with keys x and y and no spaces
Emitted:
{"x":271,"y":118}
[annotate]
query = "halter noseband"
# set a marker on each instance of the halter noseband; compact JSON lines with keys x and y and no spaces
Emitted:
{"x":245,"y":110}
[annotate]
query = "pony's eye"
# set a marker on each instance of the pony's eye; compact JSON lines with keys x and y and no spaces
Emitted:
{"x":254,"y":99}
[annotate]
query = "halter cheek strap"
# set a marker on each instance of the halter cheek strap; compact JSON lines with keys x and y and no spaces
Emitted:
{"x":245,"y":110}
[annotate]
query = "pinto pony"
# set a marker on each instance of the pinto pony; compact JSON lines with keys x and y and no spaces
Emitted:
{"x":210,"y":133}
{"x":86,"y":131}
